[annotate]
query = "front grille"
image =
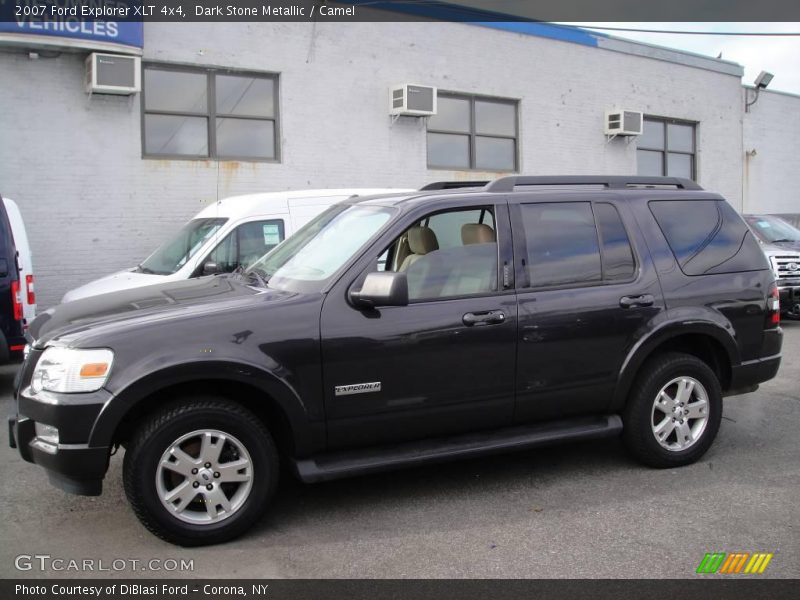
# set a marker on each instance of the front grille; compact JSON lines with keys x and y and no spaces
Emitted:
{"x":787,"y":266}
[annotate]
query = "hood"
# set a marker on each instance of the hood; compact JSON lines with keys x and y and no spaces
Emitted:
{"x":138,"y":307}
{"x":123,"y":280}
{"x":784,"y":246}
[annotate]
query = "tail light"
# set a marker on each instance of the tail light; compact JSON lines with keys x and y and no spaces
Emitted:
{"x":16,"y":300}
{"x":774,"y":305}
{"x":30,"y":290}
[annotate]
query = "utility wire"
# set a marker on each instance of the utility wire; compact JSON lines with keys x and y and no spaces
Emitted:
{"x":684,"y":32}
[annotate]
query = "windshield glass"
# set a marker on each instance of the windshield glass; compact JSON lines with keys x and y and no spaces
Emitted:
{"x":313,"y":254}
{"x":772,"y":229}
{"x":173,"y":254}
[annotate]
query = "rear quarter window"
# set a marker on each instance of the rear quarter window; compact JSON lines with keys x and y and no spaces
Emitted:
{"x":707,"y":236}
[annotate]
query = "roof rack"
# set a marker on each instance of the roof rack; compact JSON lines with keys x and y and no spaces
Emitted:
{"x":452,"y":185}
{"x":507,"y":184}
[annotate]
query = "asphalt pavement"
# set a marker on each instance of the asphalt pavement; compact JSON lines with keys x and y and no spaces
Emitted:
{"x":584,"y":510}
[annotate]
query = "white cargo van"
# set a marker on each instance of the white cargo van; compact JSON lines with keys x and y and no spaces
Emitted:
{"x":223,"y":236}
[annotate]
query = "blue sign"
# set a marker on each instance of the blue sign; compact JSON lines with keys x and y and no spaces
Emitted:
{"x":126,"y":33}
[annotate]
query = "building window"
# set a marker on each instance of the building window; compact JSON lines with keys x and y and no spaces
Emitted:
{"x":205,"y":113}
{"x":473,"y":132}
{"x":666,"y":147}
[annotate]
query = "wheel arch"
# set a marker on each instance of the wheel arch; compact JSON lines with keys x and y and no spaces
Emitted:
{"x":711,"y":343}
{"x":271,"y":399}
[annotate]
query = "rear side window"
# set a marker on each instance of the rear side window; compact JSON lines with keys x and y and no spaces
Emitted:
{"x":562,"y":244}
{"x":707,"y":236}
{"x":618,"y":262}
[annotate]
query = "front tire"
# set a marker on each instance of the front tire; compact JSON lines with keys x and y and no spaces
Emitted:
{"x":200,"y":471}
{"x":673,"y":412}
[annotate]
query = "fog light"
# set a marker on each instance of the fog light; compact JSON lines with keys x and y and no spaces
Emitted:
{"x":47,"y":433}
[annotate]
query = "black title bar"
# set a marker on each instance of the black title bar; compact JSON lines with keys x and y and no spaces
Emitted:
{"x":400,"y":10}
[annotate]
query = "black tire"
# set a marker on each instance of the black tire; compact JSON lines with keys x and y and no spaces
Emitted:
{"x":160,"y":430}
{"x":637,"y":417}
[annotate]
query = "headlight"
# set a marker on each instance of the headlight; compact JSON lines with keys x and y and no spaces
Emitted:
{"x":69,"y":370}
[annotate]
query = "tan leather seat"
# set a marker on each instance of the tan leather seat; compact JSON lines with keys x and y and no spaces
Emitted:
{"x":421,"y":241}
{"x":477,"y":233}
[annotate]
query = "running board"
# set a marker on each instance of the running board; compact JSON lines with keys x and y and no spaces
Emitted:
{"x":349,"y":463}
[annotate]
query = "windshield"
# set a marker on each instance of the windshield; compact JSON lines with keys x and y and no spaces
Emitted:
{"x":173,"y":254}
{"x":773,"y":229}
{"x":313,"y":254}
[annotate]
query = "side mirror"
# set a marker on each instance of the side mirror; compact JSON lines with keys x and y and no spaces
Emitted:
{"x":210,"y":268}
{"x":381,"y":289}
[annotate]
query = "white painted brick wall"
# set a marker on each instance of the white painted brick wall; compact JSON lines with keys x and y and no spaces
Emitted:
{"x":772,"y":129}
{"x":93,"y":205}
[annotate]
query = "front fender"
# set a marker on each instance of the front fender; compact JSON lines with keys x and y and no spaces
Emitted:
{"x":278,"y":389}
{"x":667,"y":326}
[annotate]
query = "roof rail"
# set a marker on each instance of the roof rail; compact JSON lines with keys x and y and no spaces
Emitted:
{"x":452,"y":185}
{"x":507,"y":184}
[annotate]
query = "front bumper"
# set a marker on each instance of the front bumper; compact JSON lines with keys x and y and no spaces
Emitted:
{"x":790,"y":299}
{"x":73,"y":465}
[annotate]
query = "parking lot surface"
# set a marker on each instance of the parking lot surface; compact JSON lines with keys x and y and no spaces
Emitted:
{"x":584,"y":510}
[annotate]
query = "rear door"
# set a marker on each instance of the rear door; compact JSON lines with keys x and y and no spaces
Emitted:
{"x":584,"y":296}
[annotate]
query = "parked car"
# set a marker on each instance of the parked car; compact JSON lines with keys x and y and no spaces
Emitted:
{"x":792,"y":219}
{"x":780,"y":241}
{"x":224,"y":236}
{"x":407,"y":329}
{"x":17,"y":294}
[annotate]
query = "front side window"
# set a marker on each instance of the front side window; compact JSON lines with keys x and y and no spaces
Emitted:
{"x":246,"y":244}
{"x":175,"y":253}
{"x":204,"y":113}
{"x":666,"y":148}
{"x":446,"y":255}
{"x":321,"y":247}
{"x":472,"y":132}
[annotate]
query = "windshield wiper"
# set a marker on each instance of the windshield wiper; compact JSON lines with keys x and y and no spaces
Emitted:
{"x":783,"y":240}
{"x":142,"y":269}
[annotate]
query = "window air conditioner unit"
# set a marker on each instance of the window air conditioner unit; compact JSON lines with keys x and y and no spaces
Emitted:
{"x":113,"y":74}
{"x":624,"y":122}
{"x":412,"y":100}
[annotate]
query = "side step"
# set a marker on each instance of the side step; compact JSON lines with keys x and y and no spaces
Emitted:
{"x":349,"y":463}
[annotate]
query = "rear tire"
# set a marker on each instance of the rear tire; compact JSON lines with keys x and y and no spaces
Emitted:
{"x":673,"y":411}
{"x":200,"y":471}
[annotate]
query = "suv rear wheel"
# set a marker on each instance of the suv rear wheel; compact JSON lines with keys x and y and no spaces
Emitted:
{"x":200,"y":471}
{"x":674,"y":411}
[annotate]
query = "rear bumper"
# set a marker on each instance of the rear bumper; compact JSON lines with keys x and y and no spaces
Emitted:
{"x":749,"y":374}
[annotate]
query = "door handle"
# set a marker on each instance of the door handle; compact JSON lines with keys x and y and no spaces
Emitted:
{"x":489,"y":317}
{"x":636,"y":301}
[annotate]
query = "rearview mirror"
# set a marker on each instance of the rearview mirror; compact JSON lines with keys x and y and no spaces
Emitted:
{"x":210,"y":268}
{"x":382,"y":289}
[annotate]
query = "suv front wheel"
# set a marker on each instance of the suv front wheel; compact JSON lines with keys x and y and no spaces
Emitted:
{"x":674,"y":411}
{"x":200,"y":471}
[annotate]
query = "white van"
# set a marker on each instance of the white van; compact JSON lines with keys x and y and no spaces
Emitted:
{"x":223,"y":236}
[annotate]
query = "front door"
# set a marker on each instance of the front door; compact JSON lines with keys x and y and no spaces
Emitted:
{"x":445,"y":363}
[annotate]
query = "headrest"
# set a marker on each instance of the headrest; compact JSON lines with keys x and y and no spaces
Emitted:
{"x":477,"y":233}
{"x":422,"y":240}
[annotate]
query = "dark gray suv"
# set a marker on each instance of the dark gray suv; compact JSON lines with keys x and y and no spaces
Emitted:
{"x":404,"y":329}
